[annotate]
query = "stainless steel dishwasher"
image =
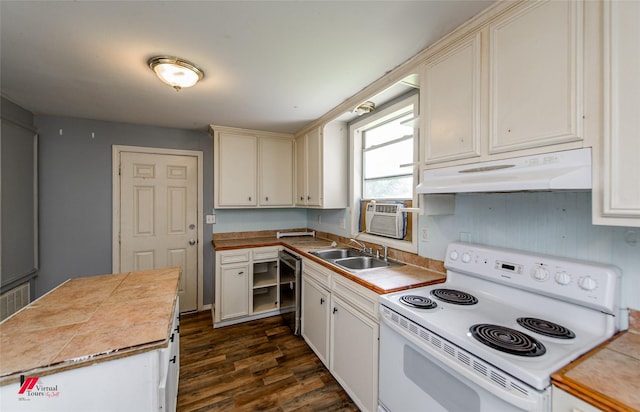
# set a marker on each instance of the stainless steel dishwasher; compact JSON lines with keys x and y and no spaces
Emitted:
{"x":290,"y":269}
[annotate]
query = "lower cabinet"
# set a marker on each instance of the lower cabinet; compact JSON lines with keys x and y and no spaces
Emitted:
{"x":562,"y":401}
{"x":340,"y":324}
{"x":248,"y":286}
{"x":234,"y":281}
{"x":354,"y":352}
{"x":316,"y":309}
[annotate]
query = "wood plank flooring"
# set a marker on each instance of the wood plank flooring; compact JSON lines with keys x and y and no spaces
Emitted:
{"x":254,"y":366}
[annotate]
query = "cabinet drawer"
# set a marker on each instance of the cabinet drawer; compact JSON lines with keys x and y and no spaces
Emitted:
{"x":358,"y":296}
{"x":261,"y":254}
{"x":317,"y":272}
{"x":233,"y":257}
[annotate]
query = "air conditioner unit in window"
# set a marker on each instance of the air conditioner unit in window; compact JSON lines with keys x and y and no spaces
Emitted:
{"x":386,"y":219}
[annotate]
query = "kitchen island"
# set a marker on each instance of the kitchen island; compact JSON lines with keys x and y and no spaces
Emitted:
{"x":106,"y":342}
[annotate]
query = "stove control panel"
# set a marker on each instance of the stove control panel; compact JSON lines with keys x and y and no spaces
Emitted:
{"x":587,"y":283}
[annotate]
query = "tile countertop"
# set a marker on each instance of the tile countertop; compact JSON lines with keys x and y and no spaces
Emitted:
{"x":383,"y":280}
{"x":89,"y":319}
{"x":608,"y":377}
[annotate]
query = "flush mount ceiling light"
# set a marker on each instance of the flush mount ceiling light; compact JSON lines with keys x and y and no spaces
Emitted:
{"x":175,"y":72}
{"x":366,"y":107}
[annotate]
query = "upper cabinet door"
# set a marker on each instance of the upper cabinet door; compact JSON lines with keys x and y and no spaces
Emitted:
{"x":616,"y":193}
{"x":276,"y":171}
{"x":237,"y":161}
{"x":452,"y":103}
{"x":314,"y":167}
{"x":535,"y":77}
{"x":301,"y":170}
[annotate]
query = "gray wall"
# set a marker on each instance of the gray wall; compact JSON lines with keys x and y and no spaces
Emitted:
{"x":18,"y":221}
{"x":75,"y":193}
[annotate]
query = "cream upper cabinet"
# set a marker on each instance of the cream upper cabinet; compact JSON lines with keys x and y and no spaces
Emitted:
{"x":235,"y":183}
{"x":276,"y":171}
{"x":309,"y":168}
{"x":451,"y":102}
{"x":535,"y":76}
{"x":616,"y":192}
{"x":252,"y":168}
{"x":321,"y":167}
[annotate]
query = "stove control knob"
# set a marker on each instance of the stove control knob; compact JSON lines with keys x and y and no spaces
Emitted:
{"x":587,"y":283}
{"x":563,"y":278}
{"x":453,"y":255}
{"x":540,"y":273}
{"x":466,"y":258}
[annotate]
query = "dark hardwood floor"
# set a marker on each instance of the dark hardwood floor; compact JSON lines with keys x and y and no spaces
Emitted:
{"x":254,"y":366}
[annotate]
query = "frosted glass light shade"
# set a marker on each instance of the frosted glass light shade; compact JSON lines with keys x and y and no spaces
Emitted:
{"x":175,"y":72}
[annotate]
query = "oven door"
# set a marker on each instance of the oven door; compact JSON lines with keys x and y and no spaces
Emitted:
{"x":414,"y":377}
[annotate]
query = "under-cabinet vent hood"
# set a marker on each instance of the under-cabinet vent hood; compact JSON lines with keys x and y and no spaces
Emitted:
{"x":567,"y":170}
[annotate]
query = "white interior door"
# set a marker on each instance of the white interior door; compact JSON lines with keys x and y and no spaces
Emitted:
{"x":159,"y":217}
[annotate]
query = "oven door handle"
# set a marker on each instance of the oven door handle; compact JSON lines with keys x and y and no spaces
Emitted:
{"x":522,"y":403}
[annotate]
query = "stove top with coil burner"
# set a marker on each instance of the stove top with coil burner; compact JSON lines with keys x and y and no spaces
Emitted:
{"x":453,"y":296}
{"x":527,"y":297}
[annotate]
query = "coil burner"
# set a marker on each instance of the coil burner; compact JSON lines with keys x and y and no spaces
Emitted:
{"x":455,"y":297}
{"x":420,"y":302}
{"x":507,"y":340}
{"x":546,"y":328}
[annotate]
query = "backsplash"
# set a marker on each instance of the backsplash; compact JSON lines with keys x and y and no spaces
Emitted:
{"x":555,"y":223}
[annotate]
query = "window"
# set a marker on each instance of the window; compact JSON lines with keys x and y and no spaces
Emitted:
{"x":387,"y":160}
{"x":384,"y":166}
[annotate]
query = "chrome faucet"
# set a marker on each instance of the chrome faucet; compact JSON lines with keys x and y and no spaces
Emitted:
{"x":384,"y":251}
{"x":357,"y":242}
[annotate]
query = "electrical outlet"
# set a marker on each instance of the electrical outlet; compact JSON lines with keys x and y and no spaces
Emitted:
{"x":211,"y":219}
{"x":425,"y":234}
{"x":319,"y":219}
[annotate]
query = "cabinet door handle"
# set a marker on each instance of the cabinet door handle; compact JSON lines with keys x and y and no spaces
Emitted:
{"x":335,"y":309}
{"x":249,"y":198}
{"x":308,"y":197}
{"x":266,"y":199}
{"x":177,"y":329}
{"x":171,"y":339}
{"x":241,"y":273}
{"x":321,"y":301}
{"x":301,"y":197}
{"x":173,"y":359}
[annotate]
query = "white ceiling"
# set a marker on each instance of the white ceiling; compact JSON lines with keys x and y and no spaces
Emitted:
{"x":269,"y":65}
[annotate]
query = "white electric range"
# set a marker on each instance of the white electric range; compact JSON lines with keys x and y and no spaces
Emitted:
{"x":489,"y":338}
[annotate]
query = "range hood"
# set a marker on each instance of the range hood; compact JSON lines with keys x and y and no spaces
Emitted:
{"x":566,"y":170}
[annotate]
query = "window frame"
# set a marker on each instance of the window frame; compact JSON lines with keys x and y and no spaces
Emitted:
{"x":356,"y":174}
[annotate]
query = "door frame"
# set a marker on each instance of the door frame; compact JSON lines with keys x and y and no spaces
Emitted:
{"x":115,"y":178}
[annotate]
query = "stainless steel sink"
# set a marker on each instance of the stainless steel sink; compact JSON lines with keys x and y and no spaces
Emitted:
{"x":333,"y":254}
{"x":353,"y":260}
{"x":361,"y":263}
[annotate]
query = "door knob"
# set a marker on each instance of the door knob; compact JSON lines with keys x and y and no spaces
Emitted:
{"x":192,"y":242}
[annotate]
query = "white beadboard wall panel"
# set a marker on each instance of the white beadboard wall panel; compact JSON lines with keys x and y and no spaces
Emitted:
{"x":555,"y":223}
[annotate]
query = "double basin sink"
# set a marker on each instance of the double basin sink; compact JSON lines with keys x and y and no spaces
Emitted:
{"x":353,"y":260}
